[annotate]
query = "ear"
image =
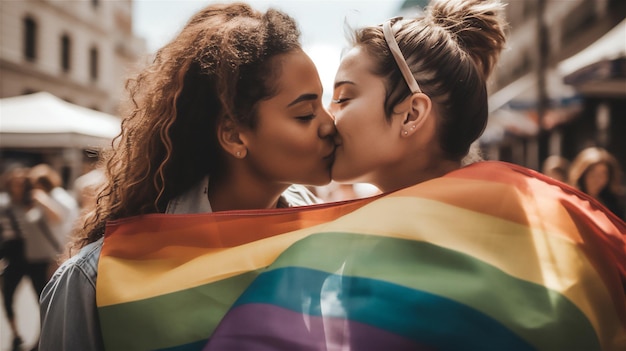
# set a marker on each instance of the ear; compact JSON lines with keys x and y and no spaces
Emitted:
{"x":229,"y":137}
{"x":415,"y":110}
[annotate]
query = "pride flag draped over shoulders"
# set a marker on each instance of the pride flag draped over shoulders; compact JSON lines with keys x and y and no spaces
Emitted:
{"x":490,"y":257}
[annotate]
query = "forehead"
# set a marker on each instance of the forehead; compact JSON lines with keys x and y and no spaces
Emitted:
{"x":297,"y":75}
{"x":356,"y":68}
{"x":355,"y":63}
{"x":601,"y":166}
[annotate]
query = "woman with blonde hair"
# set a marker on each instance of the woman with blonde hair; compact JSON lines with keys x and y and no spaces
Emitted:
{"x":227,"y":117}
{"x":597,"y":173}
{"x":410,"y":99}
{"x":415,"y":129}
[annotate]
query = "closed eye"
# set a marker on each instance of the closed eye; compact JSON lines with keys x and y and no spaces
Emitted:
{"x":339,"y":101}
{"x":306,"y":118}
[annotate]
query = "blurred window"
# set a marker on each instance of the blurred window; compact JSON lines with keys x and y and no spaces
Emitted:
{"x":66,"y":47}
{"x":529,"y":9}
{"x":30,"y":39}
{"x":93,"y":63}
{"x":578,"y":21}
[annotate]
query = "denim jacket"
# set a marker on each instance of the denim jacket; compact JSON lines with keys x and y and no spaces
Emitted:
{"x":69,"y":317}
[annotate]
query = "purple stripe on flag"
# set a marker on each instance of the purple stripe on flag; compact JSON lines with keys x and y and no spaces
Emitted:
{"x":263,"y":327}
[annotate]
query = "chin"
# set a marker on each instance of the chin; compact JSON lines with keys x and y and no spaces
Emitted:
{"x":341,"y":176}
{"x":314,"y":178}
{"x":321,"y":180}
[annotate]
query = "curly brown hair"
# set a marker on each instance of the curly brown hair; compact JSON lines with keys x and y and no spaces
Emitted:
{"x":216,"y":70}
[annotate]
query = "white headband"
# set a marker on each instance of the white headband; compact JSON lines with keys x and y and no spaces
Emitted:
{"x":399,"y":58}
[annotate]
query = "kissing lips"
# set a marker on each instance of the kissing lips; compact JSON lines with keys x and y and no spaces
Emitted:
{"x":330,"y":158}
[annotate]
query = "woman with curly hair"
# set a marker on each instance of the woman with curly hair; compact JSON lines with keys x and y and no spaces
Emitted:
{"x":227,"y":117}
{"x":597,"y":173}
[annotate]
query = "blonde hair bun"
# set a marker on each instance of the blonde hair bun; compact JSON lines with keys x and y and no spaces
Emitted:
{"x":478,"y":26}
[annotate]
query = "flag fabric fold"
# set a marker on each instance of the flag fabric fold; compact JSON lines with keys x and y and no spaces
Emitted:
{"x":492,"y":256}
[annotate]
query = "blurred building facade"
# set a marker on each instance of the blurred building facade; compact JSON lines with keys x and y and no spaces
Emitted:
{"x":560,"y":84}
{"x":80,"y":51}
{"x":77,"y":50}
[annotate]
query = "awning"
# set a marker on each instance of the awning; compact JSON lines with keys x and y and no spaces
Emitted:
{"x":605,"y":78}
{"x":503,"y":122}
{"x":511,"y":91}
{"x":522,"y":93}
{"x":610,"y":46}
{"x":44,"y":120}
{"x":513,"y":109}
{"x":600,"y":69}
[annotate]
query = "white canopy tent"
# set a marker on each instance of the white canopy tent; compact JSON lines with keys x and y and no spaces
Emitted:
{"x":42,"y":120}
{"x":43,"y":124}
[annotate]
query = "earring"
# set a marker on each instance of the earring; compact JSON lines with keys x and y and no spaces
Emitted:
{"x":413,"y":126}
{"x":241,"y":153}
{"x":405,"y":132}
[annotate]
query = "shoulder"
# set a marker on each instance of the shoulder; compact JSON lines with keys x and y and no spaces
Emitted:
{"x":69,"y":318}
{"x":83,"y":265}
{"x":299,"y":195}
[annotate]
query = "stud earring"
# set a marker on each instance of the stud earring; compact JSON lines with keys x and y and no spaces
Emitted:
{"x":405,"y":132}
{"x":241,"y":153}
{"x":413,"y":126}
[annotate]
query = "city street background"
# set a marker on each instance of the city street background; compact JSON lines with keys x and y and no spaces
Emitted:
{"x":559,"y":87}
{"x":27,"y":318}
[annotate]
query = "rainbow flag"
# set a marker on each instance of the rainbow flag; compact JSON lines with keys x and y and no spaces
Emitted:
{"x":489,"y":257}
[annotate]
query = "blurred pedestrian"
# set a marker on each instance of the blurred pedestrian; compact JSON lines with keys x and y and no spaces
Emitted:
{"x":597,"y":172}
{"x":228,"y":117}
{"x":57,"y":207}
{"x":24,"y":246}
{"x":86,"y":188}
{"x":556,"y":167}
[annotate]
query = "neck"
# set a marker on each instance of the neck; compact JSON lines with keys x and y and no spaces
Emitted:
{"x":412,"y":175}
{"x":240,"y":191}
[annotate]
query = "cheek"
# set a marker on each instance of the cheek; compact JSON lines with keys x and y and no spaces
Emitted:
{"x":602,"y":179}
{"x":300,"y":143}
{"x":595,"y":181}
{"x":293,"y":145}
{"x":294,"y":158}
{"x":359,"y":127}
{"x":598,"y":175}
{"x":344,"y":126}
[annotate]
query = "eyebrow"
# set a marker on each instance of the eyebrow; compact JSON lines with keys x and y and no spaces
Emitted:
{"x":303,"y":97}
{"x":340,"y":83}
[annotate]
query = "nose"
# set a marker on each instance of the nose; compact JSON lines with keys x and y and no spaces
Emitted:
{"x":327,"y":126}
